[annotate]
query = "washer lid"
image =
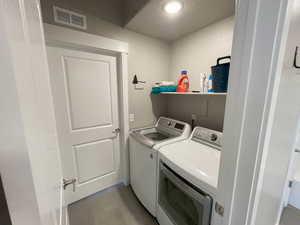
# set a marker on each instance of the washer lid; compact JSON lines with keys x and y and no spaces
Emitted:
{"x":196,"y":162}
{"x":152,"y":136}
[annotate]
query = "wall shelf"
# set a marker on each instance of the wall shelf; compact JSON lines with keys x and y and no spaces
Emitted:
{"x":194,"y":93}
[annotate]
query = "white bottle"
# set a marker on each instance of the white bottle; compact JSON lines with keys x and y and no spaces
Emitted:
{"x":209,"y":85}
{"x":203,"y":82}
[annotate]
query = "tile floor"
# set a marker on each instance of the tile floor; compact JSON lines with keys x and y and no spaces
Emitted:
{"x":4,"y":214}
{"x":119,"y":206}
{"x":290,"y":216}
{"x":116,"y":206}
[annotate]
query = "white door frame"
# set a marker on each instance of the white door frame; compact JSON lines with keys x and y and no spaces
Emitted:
{"x":29,"y":154}
{"x":260,"y":35}
{"x":57,"y":36}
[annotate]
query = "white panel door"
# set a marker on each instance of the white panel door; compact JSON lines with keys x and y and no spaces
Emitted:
{"x":85,"y":97}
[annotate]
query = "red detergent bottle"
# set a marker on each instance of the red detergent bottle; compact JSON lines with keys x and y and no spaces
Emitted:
{"x":183,"y":82}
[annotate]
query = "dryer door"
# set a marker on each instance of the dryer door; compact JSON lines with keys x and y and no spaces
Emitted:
{"x":182,"y":202}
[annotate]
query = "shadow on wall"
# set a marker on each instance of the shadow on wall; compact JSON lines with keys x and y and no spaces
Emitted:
{"x":209,"y":110}
{"x":4,"y":214}
{"x":159,"y":105}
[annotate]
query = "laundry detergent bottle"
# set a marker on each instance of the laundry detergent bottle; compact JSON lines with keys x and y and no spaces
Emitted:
{"x":183,"y":82}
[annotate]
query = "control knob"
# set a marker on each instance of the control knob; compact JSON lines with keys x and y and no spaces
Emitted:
{"x":213,"y":137}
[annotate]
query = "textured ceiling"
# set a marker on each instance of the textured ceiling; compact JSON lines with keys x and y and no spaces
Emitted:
{"x":153,"y":21}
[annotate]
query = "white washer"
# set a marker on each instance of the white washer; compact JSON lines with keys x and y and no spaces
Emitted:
{"x":188,"y":179}
{"x":143,"y":145}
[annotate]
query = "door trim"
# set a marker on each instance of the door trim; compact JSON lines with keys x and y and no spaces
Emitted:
{"x":57,"y":36}
{"x":260,"y":35}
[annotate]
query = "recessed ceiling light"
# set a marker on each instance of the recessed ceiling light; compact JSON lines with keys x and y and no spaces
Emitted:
{"x":173,"y":7}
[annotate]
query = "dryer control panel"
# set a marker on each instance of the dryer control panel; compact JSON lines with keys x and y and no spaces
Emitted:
{"x":207,"y":136}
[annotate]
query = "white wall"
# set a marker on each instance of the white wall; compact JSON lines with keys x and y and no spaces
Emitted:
{"x":293,"y":194}
{"x":149,"y":58}
{"x":293,"y":87}
{"x":284,"y":130}
{"x":196,"y":53}
{"x":297,"y":160}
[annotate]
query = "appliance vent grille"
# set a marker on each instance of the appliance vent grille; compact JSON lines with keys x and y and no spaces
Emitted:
{"x":69,"y":18}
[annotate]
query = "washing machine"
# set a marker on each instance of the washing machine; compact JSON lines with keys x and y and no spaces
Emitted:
{"x":143,"y":146}
{"x":188,"y":179}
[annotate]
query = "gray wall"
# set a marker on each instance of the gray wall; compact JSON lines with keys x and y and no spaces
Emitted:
{"x":4,"y":214}
{"x":149,"y":58}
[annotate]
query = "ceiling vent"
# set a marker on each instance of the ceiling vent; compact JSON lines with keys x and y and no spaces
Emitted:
{"x":69,"y":18}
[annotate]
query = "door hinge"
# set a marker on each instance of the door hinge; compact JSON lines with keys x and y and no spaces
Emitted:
{"x":219,"y":209}
{"x":67,"y":182}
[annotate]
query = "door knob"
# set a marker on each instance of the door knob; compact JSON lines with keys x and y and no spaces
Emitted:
{"x":117,"y":131}
{"x":67,"y":182}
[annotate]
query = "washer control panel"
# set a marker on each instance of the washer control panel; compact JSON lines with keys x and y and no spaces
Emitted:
{"x":171,"y":124}
{"x":207,"y":136}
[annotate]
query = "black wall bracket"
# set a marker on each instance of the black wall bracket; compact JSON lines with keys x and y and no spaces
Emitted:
{"x":136,"y":81}
{"x":295,"y":58}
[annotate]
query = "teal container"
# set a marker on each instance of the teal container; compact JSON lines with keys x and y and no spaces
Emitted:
{"x":157,"y":90}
